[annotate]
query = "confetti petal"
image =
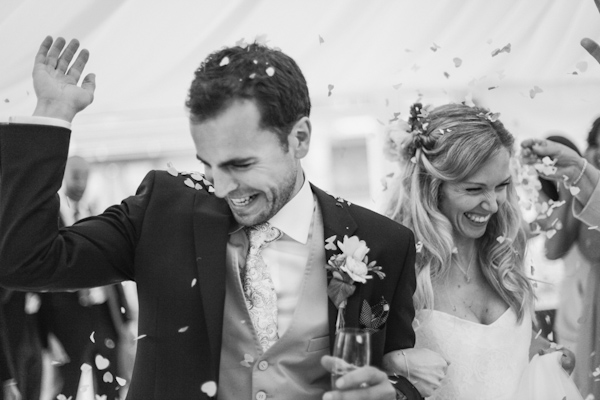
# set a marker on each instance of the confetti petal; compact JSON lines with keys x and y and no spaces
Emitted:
{"x":194,"y":281}
{"x":183,"y":329}
{"x":457,"y":62}
{"x":329,"y":89}
{"x":108,"y":377}
{"x":574,"y":190}
{"x":397,"y":86}
{"x":188,"y":182}
{"x":92,"y":339}
{"x":500,"y":239}
{"x":140,"y":337}
{"x":121,"y":381}
{"x":224,"y":61}
{"x":582,"y":66}
{"x":101,"y":362}
{"x":171,"y":169}
{"x":435,"y":47}
{"x":321,"y":41}
{"x":270,"y":71}
{"x":210,"y":388}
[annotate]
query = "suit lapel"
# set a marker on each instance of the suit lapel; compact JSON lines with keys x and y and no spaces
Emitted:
{"x":338,"y":222}
{"x":212,"y":222}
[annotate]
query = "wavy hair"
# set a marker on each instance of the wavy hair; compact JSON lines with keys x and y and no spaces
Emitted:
{"x":449,"y":144}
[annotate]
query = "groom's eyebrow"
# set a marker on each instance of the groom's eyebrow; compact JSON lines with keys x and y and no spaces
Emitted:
{"x":233,"y":161}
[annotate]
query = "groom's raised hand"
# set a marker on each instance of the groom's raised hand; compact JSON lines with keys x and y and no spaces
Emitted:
{"x":55,"y":80}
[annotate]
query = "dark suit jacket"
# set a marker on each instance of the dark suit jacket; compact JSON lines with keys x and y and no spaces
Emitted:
{"x":164,"y":238}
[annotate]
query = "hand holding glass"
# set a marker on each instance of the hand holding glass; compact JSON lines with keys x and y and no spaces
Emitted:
{"x":352,"y":349}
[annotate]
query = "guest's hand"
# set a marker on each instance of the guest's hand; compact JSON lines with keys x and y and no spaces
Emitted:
{"x":568,"y":162}
{"x":567,"y":361}
{"x":55,"y":84}
{"x":362,"y":383}
{"x":426,"y":368}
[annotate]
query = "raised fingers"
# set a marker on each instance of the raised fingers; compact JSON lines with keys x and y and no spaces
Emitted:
{"x":65,"y":58}
{"x":40,"y":57}
{"x":54,"y":52}
{"x":79,"y":64}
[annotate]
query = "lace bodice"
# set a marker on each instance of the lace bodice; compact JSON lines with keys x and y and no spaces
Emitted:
{"x":486,"y":361}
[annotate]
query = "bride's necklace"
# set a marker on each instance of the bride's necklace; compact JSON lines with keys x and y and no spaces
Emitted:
{"x":466,"y":273}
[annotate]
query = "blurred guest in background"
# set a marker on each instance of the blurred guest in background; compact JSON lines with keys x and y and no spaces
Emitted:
{"x":21,"y":366}
{"x":89,"y":322}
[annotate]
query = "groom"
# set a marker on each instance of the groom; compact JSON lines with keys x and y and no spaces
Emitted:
{"x":230,"y":267}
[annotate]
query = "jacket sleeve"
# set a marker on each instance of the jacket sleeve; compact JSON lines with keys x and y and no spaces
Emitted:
{"x":34,"y":252}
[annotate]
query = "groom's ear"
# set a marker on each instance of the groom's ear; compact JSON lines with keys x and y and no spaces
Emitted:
{"x":299,"y":138}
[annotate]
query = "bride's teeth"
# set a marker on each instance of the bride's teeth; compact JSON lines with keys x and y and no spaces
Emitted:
{"x":477,"y":218}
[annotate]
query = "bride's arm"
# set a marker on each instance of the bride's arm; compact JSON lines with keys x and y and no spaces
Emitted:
{"x":424,"y":368}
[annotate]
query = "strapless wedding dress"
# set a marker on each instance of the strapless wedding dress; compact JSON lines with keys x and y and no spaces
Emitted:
{"x":486,"y":361}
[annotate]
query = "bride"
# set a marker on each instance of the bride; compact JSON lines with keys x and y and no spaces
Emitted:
{"x":474,"y":303}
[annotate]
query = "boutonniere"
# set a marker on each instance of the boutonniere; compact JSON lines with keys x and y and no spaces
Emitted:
{"x":194,"y":179}
{"x":347,"y":268}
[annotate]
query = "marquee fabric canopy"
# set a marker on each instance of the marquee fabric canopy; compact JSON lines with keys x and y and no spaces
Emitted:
{"x":361,"y":58}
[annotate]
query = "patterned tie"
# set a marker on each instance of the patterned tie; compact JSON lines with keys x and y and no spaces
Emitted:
{"x":261,"y":298}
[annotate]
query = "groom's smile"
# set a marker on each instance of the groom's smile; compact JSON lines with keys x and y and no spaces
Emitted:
{"x":248,"y":164}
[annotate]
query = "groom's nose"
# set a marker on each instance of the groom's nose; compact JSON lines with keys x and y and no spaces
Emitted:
{"x":223,"y":182}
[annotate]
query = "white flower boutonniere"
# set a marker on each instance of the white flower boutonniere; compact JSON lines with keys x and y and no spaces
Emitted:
{"x":347,"y":268}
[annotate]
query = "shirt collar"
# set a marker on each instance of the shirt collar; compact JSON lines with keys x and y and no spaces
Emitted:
{"x":295,"y":217}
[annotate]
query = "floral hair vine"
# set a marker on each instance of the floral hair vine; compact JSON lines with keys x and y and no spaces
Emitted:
{"x":403,"y":139}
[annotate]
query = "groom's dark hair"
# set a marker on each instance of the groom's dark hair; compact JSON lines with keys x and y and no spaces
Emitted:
{"x":254,"y":72}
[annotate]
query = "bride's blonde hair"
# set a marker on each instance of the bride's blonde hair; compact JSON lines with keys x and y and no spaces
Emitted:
{"x":449,"y":144}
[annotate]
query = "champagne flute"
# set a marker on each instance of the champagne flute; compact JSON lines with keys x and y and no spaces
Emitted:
{"x":352,"y":349}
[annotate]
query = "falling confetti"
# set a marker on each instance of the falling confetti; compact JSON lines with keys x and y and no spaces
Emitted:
{"x":593,"y":227}
{"x":183,"y":329}
{"x":415,"y":67}
{"x":270,"y":71}
{"x":582,"y":66}
{"x":194,"y":281}
{"x":261,"y":39}
{"x":92,"y":337}
{"x":101,"y":362}
{"x":171,"y":169}
{"x":419,"y":246}
{"x":241,"y":43}
{"x":457,"y":62}
{"x":447,"y":75}
{"x":224,"y":61}
{"x":140,"y":337}
{"x":321,"y":41}
{"x":247,"y":361}
{"x":574,"y":190}
{"x":210,"y":388}
{"x":329,"y":89}
{"x":534,"y":91}
{"x":6,"y":100}
{"x":108,"y":377}
{"x":500,"y":239}
{"x":492,"y":87}
{"x":397,"y":86}
{"x":435,"y":47}
{"x":505,"y":49}
{"x":121,"y":381}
